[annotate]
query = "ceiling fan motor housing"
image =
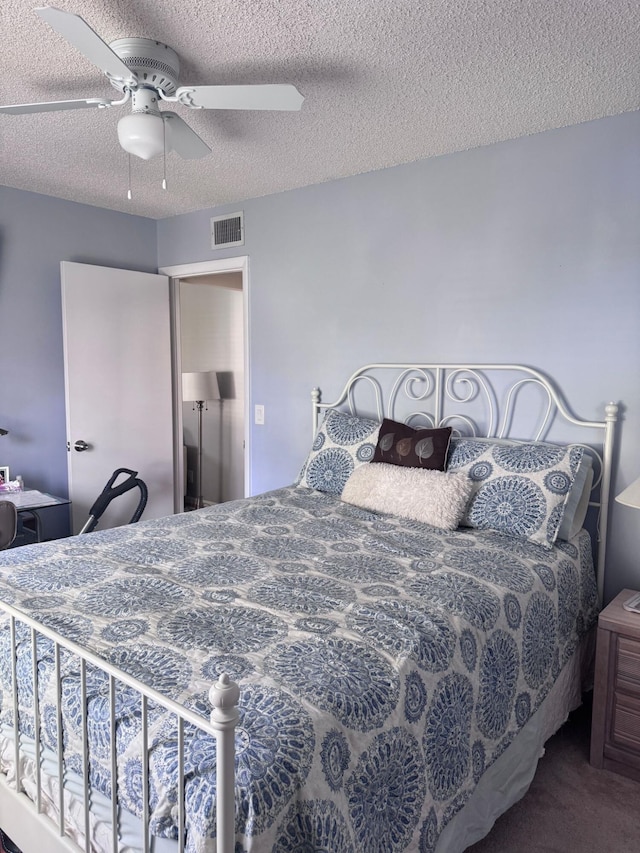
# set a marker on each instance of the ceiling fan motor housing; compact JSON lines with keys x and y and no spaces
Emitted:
{"x":156,"y":65}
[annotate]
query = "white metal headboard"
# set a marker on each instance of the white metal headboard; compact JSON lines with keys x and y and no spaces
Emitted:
{"x":489,"y":400}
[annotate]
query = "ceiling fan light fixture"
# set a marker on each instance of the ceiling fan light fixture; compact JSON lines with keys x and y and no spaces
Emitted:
{"x":142,"y":134}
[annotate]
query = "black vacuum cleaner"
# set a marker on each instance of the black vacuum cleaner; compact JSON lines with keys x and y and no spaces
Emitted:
{"x":111,"y":491}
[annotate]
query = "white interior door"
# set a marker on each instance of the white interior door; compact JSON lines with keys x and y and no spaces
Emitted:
{"x":117,"y":353}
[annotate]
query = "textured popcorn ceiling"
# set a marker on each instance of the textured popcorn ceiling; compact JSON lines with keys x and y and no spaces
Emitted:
{"x":385,"y":83}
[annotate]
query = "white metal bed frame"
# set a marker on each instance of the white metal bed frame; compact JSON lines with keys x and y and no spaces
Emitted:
{"x":435,"y":385}
{"x":438,"y":386}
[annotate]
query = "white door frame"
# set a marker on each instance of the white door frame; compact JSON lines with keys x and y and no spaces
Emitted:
{"x":185,"y":271}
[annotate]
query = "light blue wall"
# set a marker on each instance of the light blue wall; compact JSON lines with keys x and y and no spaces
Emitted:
{"x":36,"y":233}
{"x":526,"y":251}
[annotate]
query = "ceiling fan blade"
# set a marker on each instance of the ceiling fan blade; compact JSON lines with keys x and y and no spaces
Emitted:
{"x":270,"y":96}
{"x":50,"y":106}
{"x":182,"y":138}
{"x":78,"y":33}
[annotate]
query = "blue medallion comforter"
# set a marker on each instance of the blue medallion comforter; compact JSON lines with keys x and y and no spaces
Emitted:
{"x":383,"y":664}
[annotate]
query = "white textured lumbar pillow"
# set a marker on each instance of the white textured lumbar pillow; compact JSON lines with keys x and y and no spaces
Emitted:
{"x":433,"y":497}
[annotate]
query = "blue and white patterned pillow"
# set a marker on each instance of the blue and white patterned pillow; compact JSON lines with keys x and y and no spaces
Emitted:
{"x":343,"y":442}
{"x":520,"y":489}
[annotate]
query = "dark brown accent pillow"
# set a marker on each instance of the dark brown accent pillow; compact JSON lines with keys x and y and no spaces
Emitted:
{"x":400,"y":444}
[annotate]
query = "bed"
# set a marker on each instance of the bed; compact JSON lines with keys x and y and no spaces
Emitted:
{"x":397,"y":665}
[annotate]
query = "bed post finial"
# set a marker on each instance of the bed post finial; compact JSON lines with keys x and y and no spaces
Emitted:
{"x":224,"y":696}
{"x":611,"y":411}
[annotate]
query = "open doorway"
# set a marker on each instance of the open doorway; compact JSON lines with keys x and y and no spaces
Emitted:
{"x":222,"y":284}
{"x":212,"y":341}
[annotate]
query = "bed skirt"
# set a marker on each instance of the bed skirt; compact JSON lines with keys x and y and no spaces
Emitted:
{"x":508,"y":779}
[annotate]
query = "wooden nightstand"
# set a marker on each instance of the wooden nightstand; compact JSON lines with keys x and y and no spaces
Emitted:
{"x":615,"y":726}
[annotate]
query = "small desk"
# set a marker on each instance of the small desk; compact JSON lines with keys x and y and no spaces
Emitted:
{"x":30,"y":501}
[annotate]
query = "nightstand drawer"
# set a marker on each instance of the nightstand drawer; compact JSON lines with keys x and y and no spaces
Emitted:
{"x":625,"y":728}
{"x":628,"y":666}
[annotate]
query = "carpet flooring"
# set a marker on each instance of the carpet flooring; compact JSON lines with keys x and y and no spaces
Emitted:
{"x":570,"y":807}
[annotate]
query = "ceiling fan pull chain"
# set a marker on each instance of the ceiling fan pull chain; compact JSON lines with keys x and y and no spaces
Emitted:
{"x":129,"y":194}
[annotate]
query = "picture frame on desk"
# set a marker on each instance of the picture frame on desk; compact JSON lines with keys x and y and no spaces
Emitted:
{"x":4,"y":474}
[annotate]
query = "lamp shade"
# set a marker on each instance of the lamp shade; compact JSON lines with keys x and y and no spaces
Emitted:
{"x":200,"y":386}
{"x":631,"y":495}
{"x":142,"y":134}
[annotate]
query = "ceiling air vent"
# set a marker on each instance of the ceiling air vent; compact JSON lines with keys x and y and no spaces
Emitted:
{"x":227,"y":230}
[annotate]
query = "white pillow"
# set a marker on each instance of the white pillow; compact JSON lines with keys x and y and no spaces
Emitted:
{"x":433,"y":497}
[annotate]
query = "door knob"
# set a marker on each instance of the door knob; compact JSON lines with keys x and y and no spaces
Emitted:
{"x":81,"y":445}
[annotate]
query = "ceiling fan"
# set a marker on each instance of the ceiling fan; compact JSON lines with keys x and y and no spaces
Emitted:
{"x":146,"y":72}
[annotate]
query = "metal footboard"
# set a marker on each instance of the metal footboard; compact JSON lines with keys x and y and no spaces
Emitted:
{"x":14,"y":801}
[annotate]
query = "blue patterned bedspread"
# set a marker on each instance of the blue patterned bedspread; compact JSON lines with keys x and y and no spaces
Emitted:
{"x":383,"y":664}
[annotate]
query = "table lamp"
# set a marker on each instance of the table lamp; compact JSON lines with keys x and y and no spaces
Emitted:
{"x":631,"y":497}
{"x":199,"y":388}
